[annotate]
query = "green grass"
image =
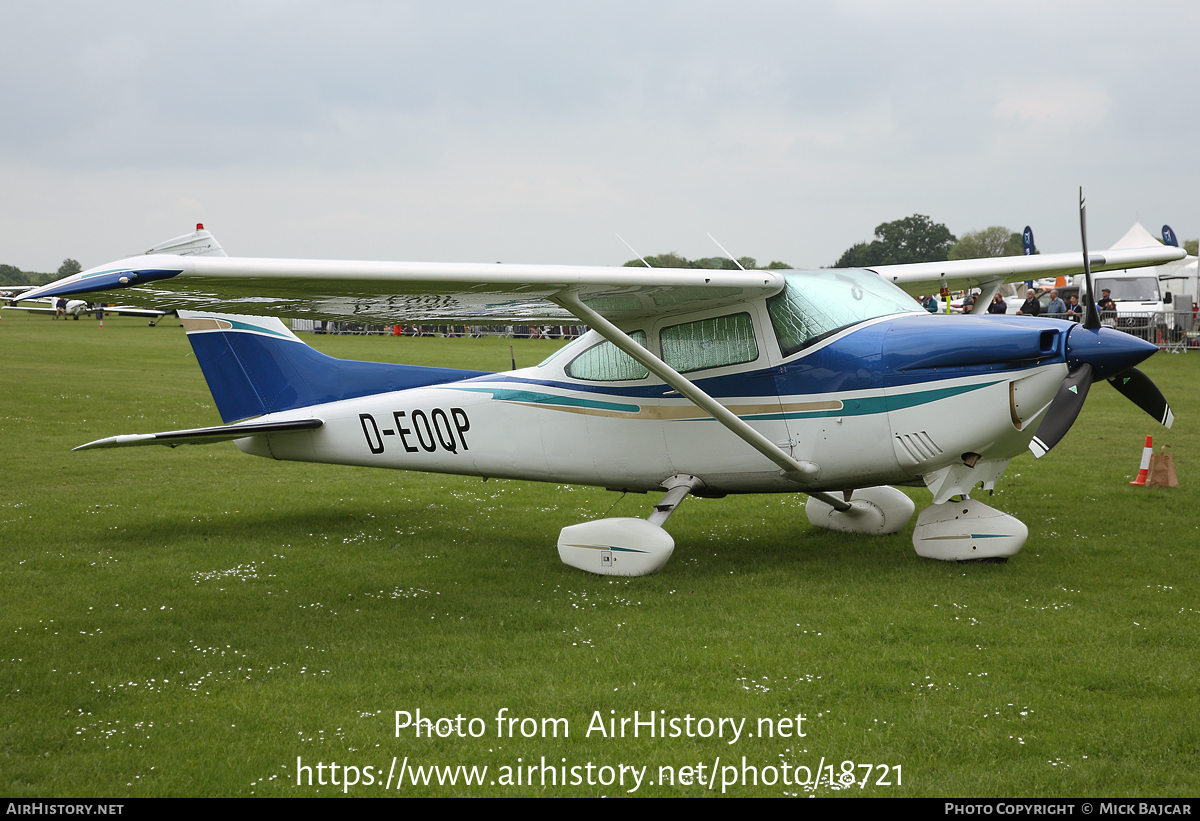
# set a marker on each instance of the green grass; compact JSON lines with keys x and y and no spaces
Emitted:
{"x":189,"y":621}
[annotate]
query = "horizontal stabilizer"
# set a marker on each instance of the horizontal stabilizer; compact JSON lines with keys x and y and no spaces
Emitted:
{"x":202,"y":436}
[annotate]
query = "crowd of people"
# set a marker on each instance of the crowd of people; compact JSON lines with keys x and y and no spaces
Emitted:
{"x":449,"y":331}
{"x":1056,"y":308}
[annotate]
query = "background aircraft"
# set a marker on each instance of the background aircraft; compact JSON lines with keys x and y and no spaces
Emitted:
{"x":834,"y":383}
{"x":76,"y":308}
{"x":197,"y":242}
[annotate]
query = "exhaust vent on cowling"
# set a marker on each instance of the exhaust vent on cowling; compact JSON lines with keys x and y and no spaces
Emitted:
{"x":917,"y":446}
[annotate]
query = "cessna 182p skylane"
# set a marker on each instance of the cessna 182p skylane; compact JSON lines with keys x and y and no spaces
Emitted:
{"x":834,"y":383}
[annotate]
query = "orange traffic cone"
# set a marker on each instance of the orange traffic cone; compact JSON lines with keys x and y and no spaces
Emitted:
{"x":1147,"y":452}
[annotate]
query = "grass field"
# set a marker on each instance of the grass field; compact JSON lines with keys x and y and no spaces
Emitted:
{"x":193,"y":621}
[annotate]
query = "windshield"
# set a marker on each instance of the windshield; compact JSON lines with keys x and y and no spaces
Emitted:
{"x":1138,"y":289}
{"x":814,"y":304}
{"x":573,"y":343}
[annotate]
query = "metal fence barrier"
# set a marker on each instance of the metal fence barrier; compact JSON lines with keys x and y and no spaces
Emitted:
{"x":1169,"y":330}
{"x":318,"y":326}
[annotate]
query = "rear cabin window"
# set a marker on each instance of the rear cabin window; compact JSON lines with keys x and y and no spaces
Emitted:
{"x":608,"y":363}
{"x":709,"y":343}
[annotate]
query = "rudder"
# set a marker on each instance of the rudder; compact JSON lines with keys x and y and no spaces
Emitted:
{"x":255,"y":365}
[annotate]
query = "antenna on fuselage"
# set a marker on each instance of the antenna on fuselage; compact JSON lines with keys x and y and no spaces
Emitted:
{"x":722,"y":247}
{"x":635,"y":253}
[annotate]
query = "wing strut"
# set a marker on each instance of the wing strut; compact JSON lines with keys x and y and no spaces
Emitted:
{"x":987,"y":292}
{"x":798,"y":472}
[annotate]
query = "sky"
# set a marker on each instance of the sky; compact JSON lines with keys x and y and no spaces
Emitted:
{"x":540,"y":131}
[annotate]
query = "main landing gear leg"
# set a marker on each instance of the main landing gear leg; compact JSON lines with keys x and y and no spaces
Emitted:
{"x":626,"y":546}
{"x":874,"y":511}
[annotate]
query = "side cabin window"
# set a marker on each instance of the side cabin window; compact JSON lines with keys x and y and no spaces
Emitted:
{"x":709,"y":343}
{"x":815,"y":304}
{"x":608,"y":363}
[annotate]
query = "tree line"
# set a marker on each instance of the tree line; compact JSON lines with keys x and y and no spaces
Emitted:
{"x":920,"y":239}
{"x":673,"y":260}
{"x":12,"y":275}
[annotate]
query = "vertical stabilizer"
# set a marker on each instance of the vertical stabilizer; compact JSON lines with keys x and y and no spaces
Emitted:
{"x":254,"y":366}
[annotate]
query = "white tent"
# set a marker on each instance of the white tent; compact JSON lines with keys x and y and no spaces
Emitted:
{"x":1178,"y":277}
{"x":1137,"y":237}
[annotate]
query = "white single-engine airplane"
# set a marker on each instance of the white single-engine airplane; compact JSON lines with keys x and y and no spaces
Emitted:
{"x":833,"y":383}
{"x":76,"y":308}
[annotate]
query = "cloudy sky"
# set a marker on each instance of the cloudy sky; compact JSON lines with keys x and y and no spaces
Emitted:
{"x":538,"y":131}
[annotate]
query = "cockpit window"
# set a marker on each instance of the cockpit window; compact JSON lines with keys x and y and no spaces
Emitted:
{"x":814,"y":304}
{"x":608,"y":363}
{"x":709,"y":343}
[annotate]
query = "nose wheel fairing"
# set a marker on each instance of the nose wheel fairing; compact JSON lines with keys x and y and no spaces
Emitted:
{"x":967,"y":530}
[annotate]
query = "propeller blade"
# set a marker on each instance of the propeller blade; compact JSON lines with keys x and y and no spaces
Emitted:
{"x":1063,"y":410}
{"x":1091,"y":319}
{"x":1141,"y":391}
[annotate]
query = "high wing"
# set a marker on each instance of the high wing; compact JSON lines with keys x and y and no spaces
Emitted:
{"x":928,"y":277}
{"x":387,"y":292}
{"x":192,"y":272}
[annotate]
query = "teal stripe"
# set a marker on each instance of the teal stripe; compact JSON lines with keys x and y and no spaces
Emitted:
{"x":869,"y":405}
{"x":507,"y":395}
{"x":851,"y":407}
{"x":608,"y":547}
{"x":246,"y":326}
{"x":911,"y":400}
{"x":241,"y":326}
